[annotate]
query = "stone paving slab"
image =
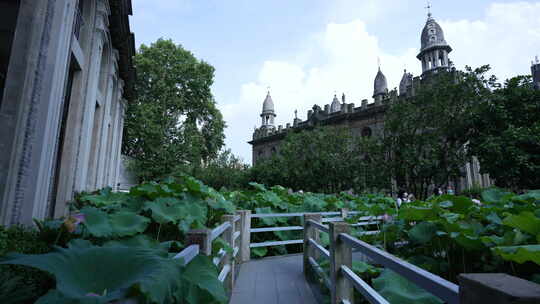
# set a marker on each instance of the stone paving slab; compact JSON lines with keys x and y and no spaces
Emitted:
{"x":273,"y":280}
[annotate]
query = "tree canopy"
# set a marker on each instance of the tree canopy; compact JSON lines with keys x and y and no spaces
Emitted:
{"x":325,"y":159}
{"x":426,"y":134}
{"x":505,"y":134}
{"x":173,"y":120}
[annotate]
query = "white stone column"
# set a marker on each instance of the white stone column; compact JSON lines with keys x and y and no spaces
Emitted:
{"x":120,"y":133}
{"x":31,"y":109}
{"x":81,"y":177}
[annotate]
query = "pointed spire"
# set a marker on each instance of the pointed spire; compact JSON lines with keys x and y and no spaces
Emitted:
{"x":428,"y":7}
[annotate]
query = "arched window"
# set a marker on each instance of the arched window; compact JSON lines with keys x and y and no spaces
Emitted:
{"x":366,"y":132}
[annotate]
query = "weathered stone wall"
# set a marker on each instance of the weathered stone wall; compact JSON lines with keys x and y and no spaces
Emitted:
{"x":61,"y":115}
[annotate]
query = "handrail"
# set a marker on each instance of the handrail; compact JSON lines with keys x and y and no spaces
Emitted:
{"x":269,"y":229}
{"x":440,"y":287}
{"x":216,"y":232}
{"x":319,"y":248}
{"x":188,"y":254}
{"x":319,"y":226}
{"x":275,"y":243}
{"x":320,"y":272}
{"x":362,"y":287}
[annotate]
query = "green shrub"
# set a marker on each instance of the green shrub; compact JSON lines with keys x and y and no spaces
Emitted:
{"x":22,"y":284}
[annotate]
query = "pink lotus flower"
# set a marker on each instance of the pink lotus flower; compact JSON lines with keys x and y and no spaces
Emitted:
{"x":73,"y":221}
{"x":387,"y":218}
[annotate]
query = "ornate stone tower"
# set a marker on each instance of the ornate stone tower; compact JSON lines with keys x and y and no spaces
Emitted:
{"x":380,"y":87}
{"x":268,"y":113}
{"x":335,"y":106}
{"x":434,"y":49}
{"x":405,"y":85}
{"x":535,"y":71}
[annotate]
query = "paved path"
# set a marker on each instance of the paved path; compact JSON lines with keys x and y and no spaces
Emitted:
{"x":273,"y":280}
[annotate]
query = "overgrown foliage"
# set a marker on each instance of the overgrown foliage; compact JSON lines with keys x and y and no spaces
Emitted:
{"x":174,"y":120}
{"x":325,"y":159}
{"x":119,"y":245}
{"x":426,"y":135}
{"x":225,"y":171}
{"x":505,"y":134}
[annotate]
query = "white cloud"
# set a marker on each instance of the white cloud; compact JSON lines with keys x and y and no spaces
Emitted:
{"x":343,"y":58}
{"x":506,"y":38}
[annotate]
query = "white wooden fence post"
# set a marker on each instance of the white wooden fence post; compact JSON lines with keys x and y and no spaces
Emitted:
{"x":313,"y":233}
{"x":245,"y":235}
{"x":201,"y":237}
{"x":340,"y":254}
{"x":228,"y":236}
{"x":344,"y":213}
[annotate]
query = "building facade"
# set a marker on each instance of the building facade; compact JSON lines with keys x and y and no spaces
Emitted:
{"x":66,"y":76}
{"x":368,"y":118}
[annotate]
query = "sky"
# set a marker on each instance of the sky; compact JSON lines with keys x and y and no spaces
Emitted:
{"x":305,"y":51}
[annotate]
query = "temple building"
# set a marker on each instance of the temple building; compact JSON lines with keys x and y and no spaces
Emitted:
{"x":66,"y":76}
{"x":368,"y":118}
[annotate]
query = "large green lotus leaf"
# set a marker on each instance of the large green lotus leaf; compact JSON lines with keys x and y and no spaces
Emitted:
{"x":270,"y":221}
{"x":314,"y":204}
{"x":494,"y":195}
{"x":218,"y":202}
{"x":525,"y":221}
{"x":273,"y":199}
{"x":532,"y":195}
{"x":397,"y":289}
{"x":143,"y":241}
{"x":469,"y":242}
{"x":413,"y":213}
{"x":164,"y":210}
{"x":149,"y":190}
{"x":203,"y":275}
{"x":520,"y":254}
{"x":105,"y":198}
{"x":257,"y":186}
{"x":193,"y":216}
{"x":56,"y":297}
{"x":97,"y":222}
{"x":108,"y":271}
{"x":423,"y":233}
{"x":125,"y":223}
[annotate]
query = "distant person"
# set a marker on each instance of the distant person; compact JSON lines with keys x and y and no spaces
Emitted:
{"x":402,"y":198}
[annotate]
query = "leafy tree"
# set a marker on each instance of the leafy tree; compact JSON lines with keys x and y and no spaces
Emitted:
{"x":425,"y":135}
{"x":174,"y":119}
{"x":223,"y":171}
{"x":505,"y":134}
{"x":326,"y":159}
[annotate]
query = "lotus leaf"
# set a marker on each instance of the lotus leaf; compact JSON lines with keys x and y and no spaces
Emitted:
{"x":520,"y":254}
{"x":396,"y":289}
{"x":109,"y":271}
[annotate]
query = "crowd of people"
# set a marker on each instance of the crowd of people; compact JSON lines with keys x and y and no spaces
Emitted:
{"x":405,"y":197}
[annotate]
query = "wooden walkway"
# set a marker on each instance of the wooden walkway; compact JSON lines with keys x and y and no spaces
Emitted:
{"x":273,"y":280}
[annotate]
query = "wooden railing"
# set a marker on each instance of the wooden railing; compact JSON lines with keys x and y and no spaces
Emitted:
{"x":200,"y":242}
{"x":325,"y":217}
{"x":475,"y":288}
{"x":236,"y":231}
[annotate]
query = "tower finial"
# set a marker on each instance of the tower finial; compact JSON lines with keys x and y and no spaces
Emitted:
{"x":428,"y":7}
{"x":295,"y":114}
{"x":379,"y":62}
{"x":268,"y":89}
